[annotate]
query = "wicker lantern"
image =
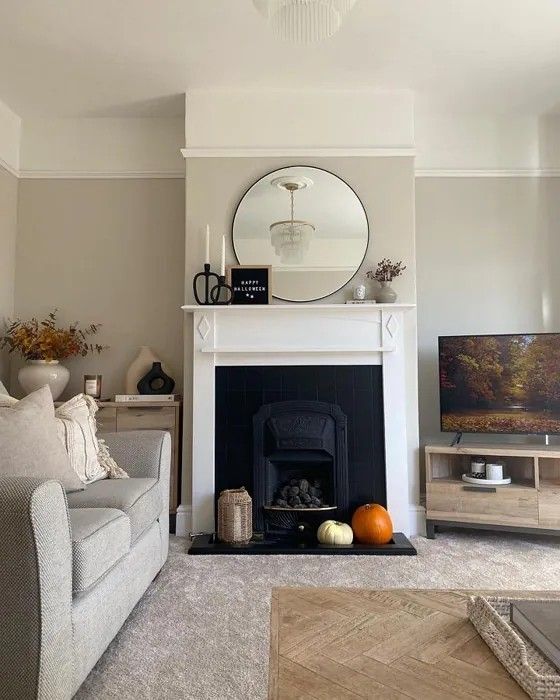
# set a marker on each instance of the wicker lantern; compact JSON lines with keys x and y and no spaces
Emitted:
{"x":235,"y":516}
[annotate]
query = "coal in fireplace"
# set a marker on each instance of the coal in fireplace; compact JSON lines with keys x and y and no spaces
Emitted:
{"x":300,"y":466}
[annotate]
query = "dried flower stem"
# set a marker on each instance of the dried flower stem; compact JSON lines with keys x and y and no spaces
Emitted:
{"x":386,"y":271}
{"x":44,"y":340}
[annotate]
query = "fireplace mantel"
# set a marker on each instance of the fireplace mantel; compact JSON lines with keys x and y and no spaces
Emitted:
{"x":306,"y":334}
{"x":294,"y":307}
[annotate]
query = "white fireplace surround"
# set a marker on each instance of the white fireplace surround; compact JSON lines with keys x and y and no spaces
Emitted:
{"x":301,"y":334}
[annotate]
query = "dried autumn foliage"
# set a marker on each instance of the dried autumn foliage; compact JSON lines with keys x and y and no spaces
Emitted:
{"x":44,"y":340}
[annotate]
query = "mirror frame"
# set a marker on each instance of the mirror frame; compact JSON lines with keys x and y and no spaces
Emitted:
{"x":312,"y":167}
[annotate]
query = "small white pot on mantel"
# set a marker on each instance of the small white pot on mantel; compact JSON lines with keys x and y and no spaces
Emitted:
{"x":37,"y":373}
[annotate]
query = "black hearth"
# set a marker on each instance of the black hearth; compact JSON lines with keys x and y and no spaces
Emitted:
{"x":300,"y":466}
{"x":209,"y":544}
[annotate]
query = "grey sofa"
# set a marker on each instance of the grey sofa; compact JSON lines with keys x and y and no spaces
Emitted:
{"x":73,"y":568}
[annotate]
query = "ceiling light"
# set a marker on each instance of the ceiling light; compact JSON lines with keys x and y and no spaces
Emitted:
{"x":291,"y":238}
{"x":304,"y":21}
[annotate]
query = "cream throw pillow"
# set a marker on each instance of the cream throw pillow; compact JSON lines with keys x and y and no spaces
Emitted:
{"x":89,"y":455}
{"x":77,"y":430}
{"x":30,"y":444}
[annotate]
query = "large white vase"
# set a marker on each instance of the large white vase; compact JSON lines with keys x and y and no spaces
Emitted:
{"x":37,"y":373}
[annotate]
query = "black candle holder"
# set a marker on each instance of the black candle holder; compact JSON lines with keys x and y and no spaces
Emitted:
{"x":212,"y":292}
{"x":216,"y":292}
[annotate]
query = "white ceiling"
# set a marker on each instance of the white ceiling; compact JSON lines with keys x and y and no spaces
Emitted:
{"x":138,"y":57}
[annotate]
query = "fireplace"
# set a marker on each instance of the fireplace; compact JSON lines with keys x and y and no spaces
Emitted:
{"x":300,"y":466}
{"x":358,"y":357}
{"x":317,"y":423}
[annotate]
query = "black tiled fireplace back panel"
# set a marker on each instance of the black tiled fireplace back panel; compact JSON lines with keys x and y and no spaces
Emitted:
{"x":357,"y":389}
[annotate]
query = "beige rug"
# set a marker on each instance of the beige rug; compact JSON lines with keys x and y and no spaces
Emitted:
{"x":202,"y":630}
{"x":351,"y":644}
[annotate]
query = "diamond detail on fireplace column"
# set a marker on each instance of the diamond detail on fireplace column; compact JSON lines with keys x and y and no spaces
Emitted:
{"x":203,"y":327}
{"x":392,"y":326}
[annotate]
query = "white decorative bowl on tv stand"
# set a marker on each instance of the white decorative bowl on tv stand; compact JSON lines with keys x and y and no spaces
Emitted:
{"x":531,"y":503}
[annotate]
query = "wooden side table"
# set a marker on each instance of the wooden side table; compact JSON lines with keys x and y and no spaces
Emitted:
{"x":114,"y":417}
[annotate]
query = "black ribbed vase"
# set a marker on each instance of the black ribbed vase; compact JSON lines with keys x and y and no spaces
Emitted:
{"x":156,"y":381}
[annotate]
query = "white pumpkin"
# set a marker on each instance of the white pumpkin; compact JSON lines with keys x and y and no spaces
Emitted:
{"x":334,"y":532}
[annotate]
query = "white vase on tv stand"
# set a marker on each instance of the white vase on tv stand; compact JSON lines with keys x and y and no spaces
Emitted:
{"x":139,"y":367}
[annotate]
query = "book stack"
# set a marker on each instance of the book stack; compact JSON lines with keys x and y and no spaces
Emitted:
{"x":139,"y":398}
{"x":539,"y":621}
{"x":361,"y":301}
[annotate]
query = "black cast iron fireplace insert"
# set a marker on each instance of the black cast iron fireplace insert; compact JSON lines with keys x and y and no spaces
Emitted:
{"x":300,"y":466}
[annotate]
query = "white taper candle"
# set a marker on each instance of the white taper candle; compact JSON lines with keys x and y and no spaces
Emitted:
{"x":207,"y":258}
{"x":223,"y":267}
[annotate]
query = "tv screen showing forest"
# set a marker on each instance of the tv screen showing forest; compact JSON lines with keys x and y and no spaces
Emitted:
{"x":500,"y":383}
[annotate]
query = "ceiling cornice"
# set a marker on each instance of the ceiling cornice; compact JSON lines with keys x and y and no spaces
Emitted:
{"x":100,"y":175}
{"x":513,"y":172}
{"x":312,"y":152}
{"x":194,"y":153}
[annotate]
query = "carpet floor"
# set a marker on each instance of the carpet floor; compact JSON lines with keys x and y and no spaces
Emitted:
{"x":201,"y":632}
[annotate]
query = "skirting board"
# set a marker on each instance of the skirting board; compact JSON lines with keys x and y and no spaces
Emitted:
{"x":417,"y":520}
{"x":183,"y":523}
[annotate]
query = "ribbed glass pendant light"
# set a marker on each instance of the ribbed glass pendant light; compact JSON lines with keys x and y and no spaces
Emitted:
{"x":304,"y":21}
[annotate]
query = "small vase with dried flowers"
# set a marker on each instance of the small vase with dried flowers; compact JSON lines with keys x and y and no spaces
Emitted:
{"x":43,"y":344}
{"x":385,"y":272}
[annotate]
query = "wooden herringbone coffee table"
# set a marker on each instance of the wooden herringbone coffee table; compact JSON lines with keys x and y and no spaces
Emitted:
{"x":387,"y":644}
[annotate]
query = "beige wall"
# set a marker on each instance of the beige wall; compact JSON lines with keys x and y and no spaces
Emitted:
{"x":550,"y":206}
{"x":8,"y":230}
{"x":484,"y":252}
{"x":386,"y":187}
{"x":109,"y":251}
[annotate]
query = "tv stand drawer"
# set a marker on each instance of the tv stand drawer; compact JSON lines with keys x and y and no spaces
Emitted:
{"x":514,"y":505}
{"x":549,"y":506}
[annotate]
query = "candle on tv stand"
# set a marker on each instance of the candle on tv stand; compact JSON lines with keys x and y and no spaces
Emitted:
{"x":223,"y":265}
{"x":207,"y":257}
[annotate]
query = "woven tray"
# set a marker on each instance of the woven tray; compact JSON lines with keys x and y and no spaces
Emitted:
{"x":522,"y":660}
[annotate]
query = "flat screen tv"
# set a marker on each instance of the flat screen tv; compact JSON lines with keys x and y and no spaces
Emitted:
{"x":500,"y":383}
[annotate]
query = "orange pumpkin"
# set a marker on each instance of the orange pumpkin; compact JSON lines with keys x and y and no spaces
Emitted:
{"x":372,"y":524}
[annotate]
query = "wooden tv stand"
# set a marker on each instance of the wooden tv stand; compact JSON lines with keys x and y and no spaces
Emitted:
{"x":531,"y":503}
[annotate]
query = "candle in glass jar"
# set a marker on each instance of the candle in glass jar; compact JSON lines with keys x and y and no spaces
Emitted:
{"x":92,"y":385}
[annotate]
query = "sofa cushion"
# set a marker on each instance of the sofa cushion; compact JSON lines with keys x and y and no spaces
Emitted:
{"x":100,"y":537}
{"x":78,"y":431}
{"x":140,"y":499}
{"x":77,"y":428}
{"x":29,"y":441}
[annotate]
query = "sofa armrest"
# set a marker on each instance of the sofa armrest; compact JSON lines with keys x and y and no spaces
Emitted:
{"x":35,"y":590}
{"x":141,"y":453}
